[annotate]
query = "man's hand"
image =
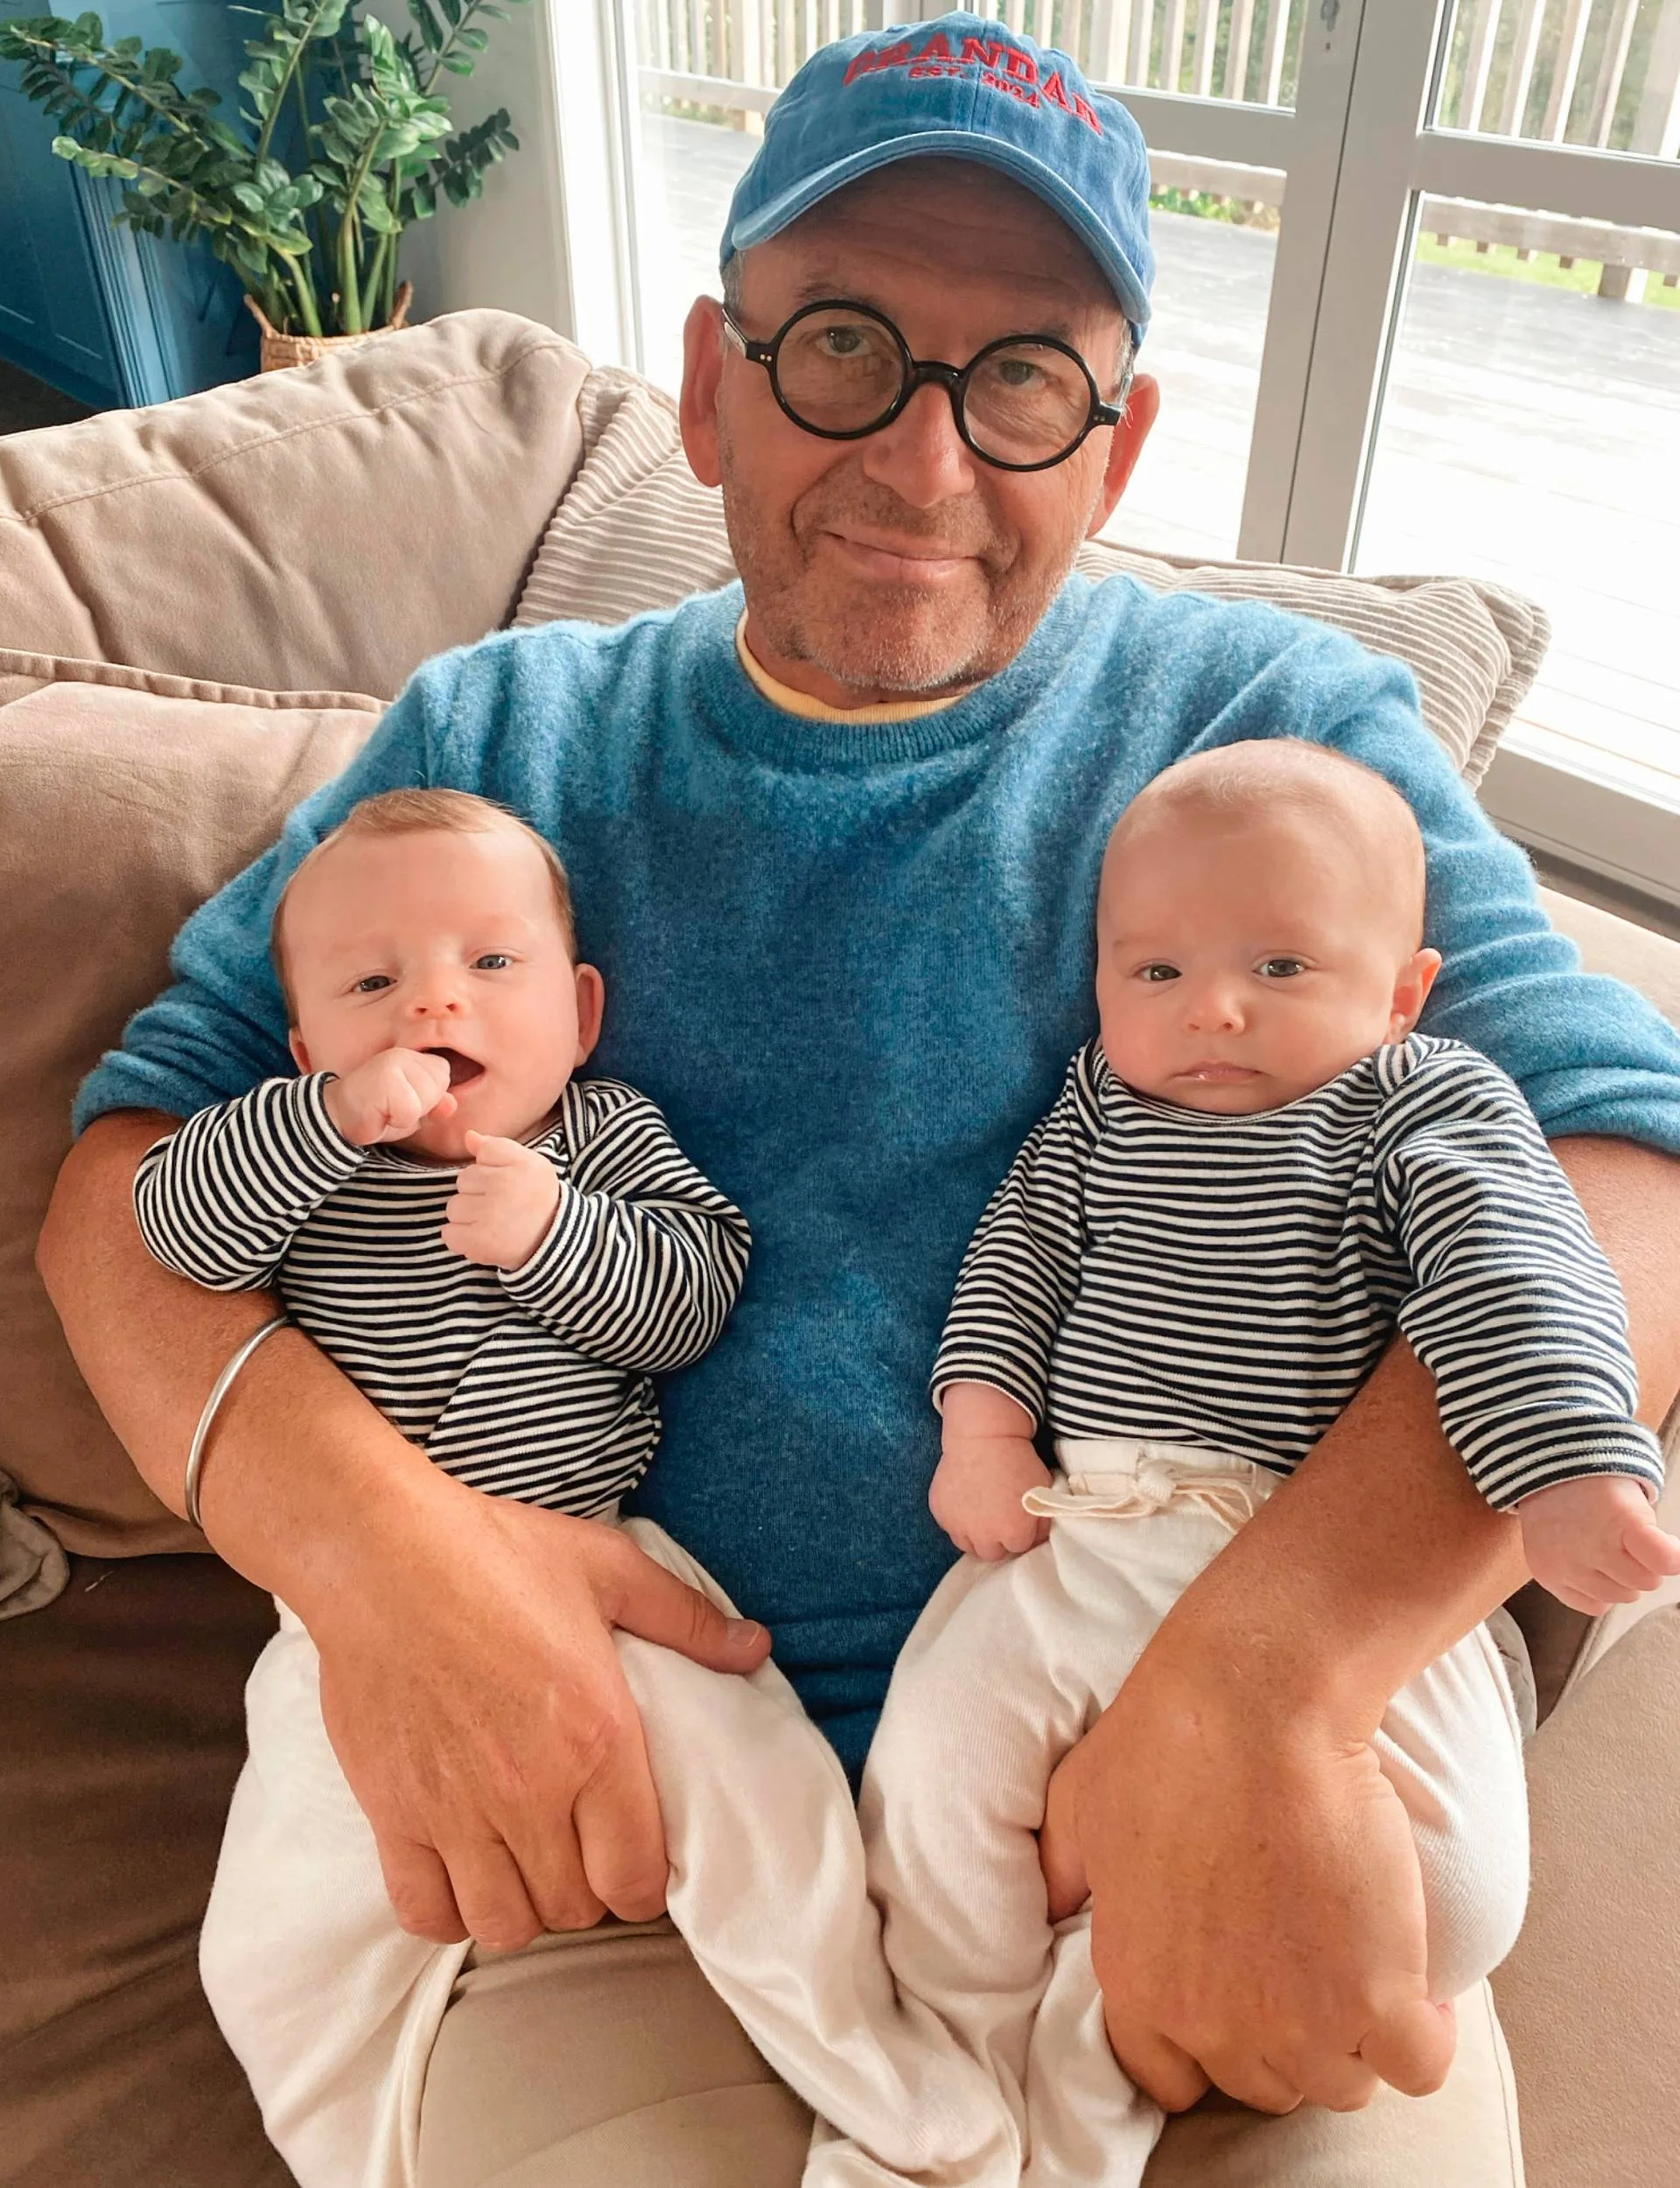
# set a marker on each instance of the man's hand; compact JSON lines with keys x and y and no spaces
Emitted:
{"x":1242,"y":1873}
{"x":1596,"y":1541}
{"x":390,"y":1097}
{"x":475,"y":1701}
{"x":986,"y":1465}
{"x":503,"y":1203}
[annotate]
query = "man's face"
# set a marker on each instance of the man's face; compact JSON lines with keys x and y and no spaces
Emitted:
{"x":902,"y":562}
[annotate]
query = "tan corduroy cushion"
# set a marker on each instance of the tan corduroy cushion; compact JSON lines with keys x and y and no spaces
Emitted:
{"x":638,"y":531}
{"x":122,"y":811}
{"x":323,"y":529}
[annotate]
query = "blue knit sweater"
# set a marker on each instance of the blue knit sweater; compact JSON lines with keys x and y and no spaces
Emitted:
{"x":850,"y":962}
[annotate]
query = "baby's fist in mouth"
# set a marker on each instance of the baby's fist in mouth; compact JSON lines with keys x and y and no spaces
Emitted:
{"x":503,"y":1203}
{"x":390,"y":1097}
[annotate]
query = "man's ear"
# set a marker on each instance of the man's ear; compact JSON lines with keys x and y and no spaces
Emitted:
{"x":702,"y":373}
{"x":1412,"y":990}
{"x":1143,"y":408}
{"x":299,"y":1054}
{"x":591,"y":1004}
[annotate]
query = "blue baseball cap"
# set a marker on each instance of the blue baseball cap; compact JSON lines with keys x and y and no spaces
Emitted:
{"x":968,"y":89}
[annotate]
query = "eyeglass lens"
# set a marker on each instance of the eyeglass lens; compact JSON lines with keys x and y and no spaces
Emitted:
{"x":841,"y":372}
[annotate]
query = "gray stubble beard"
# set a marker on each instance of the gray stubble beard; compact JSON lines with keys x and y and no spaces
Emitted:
{"x":873,"y":662}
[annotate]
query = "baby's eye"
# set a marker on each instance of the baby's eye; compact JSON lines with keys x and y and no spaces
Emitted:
{"x":1155,"y":973}
{"x":371,"y":983}
{"x":492,"y":961}
{"x":1281,"y":968}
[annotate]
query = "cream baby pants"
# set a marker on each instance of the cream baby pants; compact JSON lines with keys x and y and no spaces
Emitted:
{"x":1007,"y":1667}
{"x":332,"y":2010}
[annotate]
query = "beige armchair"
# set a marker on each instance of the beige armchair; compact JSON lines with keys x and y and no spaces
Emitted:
{"x":201,"y":610}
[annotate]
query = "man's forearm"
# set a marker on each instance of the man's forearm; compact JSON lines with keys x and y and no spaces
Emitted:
{"x":297,"y":1446}
{"x":1378,"y":1553}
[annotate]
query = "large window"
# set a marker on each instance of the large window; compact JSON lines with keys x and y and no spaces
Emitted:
{"x":1418,"y":307}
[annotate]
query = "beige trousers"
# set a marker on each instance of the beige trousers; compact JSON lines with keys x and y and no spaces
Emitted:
{"x":334,"y":2011}
{"x":1006,"y":1669}
{"x":347,"y":2027}
{"x":605,"y":2060}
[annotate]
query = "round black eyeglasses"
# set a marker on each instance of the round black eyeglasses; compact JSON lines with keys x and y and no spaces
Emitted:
{"x":843,"y":370}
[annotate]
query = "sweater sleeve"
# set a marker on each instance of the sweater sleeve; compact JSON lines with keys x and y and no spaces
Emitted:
{"x":1591,"y":1055}
{"x":1515,"y":1312}
{"x":645,"y":1256}
{"x":221,"y":1200}
{"x":1020,"y":1274}
{"x":221,"y":1026}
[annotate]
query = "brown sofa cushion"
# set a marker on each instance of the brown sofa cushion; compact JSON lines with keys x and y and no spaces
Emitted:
{"x":331,"y":526}
{"x":124,"y":810}
{"x":122,"y":1730}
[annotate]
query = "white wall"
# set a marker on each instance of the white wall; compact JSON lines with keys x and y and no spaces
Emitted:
{"x":509,"y":248}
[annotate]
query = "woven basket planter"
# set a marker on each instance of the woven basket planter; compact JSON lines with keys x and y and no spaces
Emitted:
{"x":281,"y":350}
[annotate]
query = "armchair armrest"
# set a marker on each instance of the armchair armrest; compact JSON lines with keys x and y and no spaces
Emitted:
{"x":1590,"y":1998}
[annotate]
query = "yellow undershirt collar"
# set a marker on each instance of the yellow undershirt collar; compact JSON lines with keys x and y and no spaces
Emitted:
{"x":801,"y":703}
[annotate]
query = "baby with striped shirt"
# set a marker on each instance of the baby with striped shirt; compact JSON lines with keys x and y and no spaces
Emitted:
{"x":501,"y":1256}
{"x":1254,"y":1174}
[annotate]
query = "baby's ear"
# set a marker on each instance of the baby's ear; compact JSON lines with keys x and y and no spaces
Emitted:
{"x":1412,"y":990}
{"x":591,"y":1005}
{"x":299,"y":1054}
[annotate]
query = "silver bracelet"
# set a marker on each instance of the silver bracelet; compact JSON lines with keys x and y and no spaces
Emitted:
{"x":219,"y":1389}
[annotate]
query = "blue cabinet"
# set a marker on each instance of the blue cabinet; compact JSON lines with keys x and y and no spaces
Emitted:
{"x":110,"y":317}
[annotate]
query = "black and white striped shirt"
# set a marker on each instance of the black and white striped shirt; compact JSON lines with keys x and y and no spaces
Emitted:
{"x":1153,"y":1272}
{"x":531,"y":1382}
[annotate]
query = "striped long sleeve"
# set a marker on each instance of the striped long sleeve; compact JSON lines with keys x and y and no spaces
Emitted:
{"x":1147,"y":1271}
{"x":1515,"y":1312}
{"x":1022,"y":1269}
{"x":222,"y":1199}
{"x":533,"y":1384}
{"x":645,"y":1256}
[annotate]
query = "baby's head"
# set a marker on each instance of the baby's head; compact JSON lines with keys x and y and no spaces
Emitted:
{"x":1260,"y":926}
{"x":433,"y":920}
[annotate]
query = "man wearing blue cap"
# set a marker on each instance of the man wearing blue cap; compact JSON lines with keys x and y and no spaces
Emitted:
{"x":835,"y":839}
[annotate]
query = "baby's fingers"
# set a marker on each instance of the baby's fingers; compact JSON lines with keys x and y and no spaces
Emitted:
{"x":493,"y":1152}
{"x":1649,"y":1541}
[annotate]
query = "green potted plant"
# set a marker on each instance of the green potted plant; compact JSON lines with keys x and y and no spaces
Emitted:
{"x":342,"y":140}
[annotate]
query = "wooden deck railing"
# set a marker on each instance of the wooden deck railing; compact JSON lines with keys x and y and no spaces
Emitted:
{"x":1232,"y":49}
{"x":1597,"y":72}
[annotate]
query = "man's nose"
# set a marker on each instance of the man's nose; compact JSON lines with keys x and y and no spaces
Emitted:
{"x":921,"y":455}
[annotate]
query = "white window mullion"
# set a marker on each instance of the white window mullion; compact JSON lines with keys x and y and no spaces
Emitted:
{"x":1371,"y":224}
{"x":1318,"y":135}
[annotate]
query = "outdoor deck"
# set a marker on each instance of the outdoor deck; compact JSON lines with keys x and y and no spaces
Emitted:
{"x":1530,"y":435}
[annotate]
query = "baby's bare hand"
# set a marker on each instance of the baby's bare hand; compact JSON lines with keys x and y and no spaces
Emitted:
{"x":388,"y":1096}
{"x":977,"y":1493}
{"x":502,"y":1204}
{"x":1596,"y":1541}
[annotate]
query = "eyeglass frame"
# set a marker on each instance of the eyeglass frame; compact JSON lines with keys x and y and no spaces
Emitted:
{"x":920,"y":372}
